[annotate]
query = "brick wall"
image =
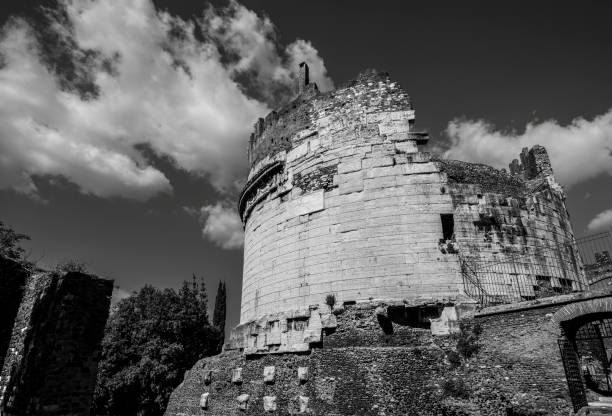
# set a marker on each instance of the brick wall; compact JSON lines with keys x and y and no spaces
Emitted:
{"x":519,"y":362}
{"x":12,"y":281}
{"x":51,"y":365}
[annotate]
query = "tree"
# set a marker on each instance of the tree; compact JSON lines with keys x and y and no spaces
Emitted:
{"x":151,"y":339}
{"x":220,"y":307}
{"x":10,"y":243}
{"x":220,"y":312}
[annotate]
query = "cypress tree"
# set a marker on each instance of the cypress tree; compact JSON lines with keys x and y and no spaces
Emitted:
{"x":220,"y":308}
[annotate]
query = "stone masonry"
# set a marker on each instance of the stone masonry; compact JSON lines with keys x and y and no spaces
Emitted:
{"x":51,"y":360}
{"x":365,"y":272}
{"x":340,"y":200}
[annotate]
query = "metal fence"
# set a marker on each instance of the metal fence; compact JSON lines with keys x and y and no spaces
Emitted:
{"x":596,"y":253}
{"x":516,"y":277}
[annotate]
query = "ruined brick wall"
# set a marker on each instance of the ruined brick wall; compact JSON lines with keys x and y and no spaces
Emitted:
{"x":349,"y":207}
{"x":12,"y":281}
{"x":356,"y":370}
{"x":519,"y":360}
{"x":517,"y":232}
{"x":51,"y":364}
{"x":360,"y":369}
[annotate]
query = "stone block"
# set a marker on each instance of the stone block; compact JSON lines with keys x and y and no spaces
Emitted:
{"x":408,"y":146}
{"x":303,"y":405}
{"x":391,"y":127}
{"x":303,"y":374}
{"x":297,"y":152}
{"x":237,"y":375}
{"x":268,"y":374}
{"x":208,"y":377}
{"x":243,"y":401}
{"x":349,"y":166}
{"x":204,"y":401}
{"x":350,"y":187}
{"x":269,"y":403}
{"x":377,"y":161}
{"x":329,"y":321}
{"x":306,"y":204}
{"x":447,"y":323}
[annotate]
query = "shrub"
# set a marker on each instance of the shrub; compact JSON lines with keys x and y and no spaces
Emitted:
{"x":330,"y":300}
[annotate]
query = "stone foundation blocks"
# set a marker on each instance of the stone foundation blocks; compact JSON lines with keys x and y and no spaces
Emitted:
{"x":204,"y":401}
{"x":243,"y":401}
{"x":303,"y":404}
{"x":208,"y":377}
{"x":237,"y":375}
{"x":269,"y":403}
{"x":268,"y":374}
{"x":303,"y":374}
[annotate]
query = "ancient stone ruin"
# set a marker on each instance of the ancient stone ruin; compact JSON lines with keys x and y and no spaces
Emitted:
{"x":380,"y":279}
{"x":52,"y":326}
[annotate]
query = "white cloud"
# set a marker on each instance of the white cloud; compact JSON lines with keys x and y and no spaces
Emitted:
{"x":221,"y":225}
{"x":253,"y":41}
{"x":166,"y":89}
{"x":119,"y":294}
{"x":601,"y":222}
{"x":579,"y":151}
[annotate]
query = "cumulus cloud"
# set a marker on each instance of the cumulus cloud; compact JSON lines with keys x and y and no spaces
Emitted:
{"x":253,"y":48}
{"x":221,"y":225}
{"x":601,"y":222}
{"x":579,"y":151}
{"x":119,"y":294}
{"x":155,"y":82}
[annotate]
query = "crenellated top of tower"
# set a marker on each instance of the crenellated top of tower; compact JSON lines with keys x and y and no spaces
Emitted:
{"x":534,"y":164}
{"x":356,"y":103}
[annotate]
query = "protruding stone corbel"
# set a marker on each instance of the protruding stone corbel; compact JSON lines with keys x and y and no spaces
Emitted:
{"x":237,"y":375}
{"x":268,"y":374}
{"x":204,"y":401}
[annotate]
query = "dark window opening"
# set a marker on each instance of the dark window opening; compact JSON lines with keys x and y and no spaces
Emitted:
{"x":448,"y":226}
{"x":349,"y":303}
{"x":416,"y":317}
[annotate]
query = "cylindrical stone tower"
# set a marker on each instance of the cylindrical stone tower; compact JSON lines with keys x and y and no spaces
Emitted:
{"x":339,"y":202}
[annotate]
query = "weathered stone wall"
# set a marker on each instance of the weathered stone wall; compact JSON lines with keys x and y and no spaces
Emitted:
{"x":352,"y":209}
{"x":516,"y":232}
{"x":356,"y":370}
{"x":518,"y":365}
{"x":360,"y":369}
{"x":12,"y":281}
{"x":51,"y":364}
{"x":346,"y":204}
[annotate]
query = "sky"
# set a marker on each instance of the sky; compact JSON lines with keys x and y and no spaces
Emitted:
{"x":123,"y":125}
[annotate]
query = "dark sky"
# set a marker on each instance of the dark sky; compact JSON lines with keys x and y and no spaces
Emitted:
{"x":509,"y":63}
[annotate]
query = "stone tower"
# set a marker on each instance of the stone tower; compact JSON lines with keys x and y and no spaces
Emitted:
{"x":340,"y":201}
{"x":366,"y":259}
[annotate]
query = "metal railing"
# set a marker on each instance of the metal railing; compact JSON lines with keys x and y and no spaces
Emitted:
{"x":596,"y":253}
{"x":545,"y":272}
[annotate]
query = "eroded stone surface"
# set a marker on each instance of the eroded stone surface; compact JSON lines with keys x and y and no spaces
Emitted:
{"x":237,"y":375}
{"x":341,"y":200}
{"x":269,"y":403}
{"x":204,"y":401}
{"x":268,"y":374}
